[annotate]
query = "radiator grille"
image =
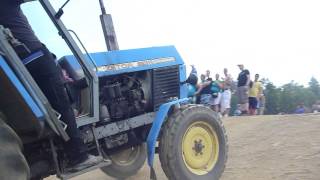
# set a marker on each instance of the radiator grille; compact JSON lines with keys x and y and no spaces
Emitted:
{"x":166,"y":85}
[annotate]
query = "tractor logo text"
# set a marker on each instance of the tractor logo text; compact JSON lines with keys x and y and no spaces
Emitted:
{"x":115,"y":67}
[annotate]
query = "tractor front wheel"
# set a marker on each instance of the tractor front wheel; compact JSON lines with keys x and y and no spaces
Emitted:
{"x":127,"y":162}
{"x":193,"y":145}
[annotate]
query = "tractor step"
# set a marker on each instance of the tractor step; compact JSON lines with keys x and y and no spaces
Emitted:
{"x":69,"y":175}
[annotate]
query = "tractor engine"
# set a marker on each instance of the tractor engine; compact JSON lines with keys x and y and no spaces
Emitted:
{"x":124,"y":96}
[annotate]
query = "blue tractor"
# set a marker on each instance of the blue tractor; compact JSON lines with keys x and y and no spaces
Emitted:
{"x":129,"y":105}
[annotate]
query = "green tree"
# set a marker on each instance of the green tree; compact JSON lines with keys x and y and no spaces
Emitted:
{"x":314,"y":86}
{"x":291,"y":96}
{"x":272,"y":94}
{"x":286,"y":98}
{"x":294,"y":94}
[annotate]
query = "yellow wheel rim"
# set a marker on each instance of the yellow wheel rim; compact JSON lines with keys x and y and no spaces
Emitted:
{"x":200,"y":148}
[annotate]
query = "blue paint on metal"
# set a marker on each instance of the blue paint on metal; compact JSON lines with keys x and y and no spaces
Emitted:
{"x":32,"y":57}
{"x":132,"y":55}
{"x":21,"y":89}
{"x":136,"y":55}
{"x":156,"y":127}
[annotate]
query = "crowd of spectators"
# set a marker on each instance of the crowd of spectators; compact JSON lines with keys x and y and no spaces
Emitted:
{"x":216,"y":92}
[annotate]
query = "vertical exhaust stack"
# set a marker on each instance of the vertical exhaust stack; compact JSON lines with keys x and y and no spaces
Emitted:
{"x":108,"y":29}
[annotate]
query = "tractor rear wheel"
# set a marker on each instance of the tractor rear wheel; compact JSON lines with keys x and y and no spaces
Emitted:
{"x":13,"y":165}
{"x":127,"y":162}
{"x":193,"y":145}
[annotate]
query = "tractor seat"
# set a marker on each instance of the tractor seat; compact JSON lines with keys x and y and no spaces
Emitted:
{"x":72,"y":67}
{"x":75,"y":72}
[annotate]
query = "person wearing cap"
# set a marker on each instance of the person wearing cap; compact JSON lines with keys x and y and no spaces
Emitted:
{"x":243,"y":88}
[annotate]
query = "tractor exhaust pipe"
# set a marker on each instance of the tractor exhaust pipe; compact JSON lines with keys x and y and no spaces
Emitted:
{"x":108,"y":29}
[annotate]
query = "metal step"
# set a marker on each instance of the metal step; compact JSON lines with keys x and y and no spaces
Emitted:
{"x":69,"y":175}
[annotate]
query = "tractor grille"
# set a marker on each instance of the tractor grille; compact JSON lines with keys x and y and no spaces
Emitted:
{"x":166,"y":85}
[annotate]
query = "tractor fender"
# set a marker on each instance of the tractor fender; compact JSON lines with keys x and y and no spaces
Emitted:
{"x":160,"y":117}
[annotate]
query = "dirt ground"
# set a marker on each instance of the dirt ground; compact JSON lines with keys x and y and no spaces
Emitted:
{"x":261,"y":148}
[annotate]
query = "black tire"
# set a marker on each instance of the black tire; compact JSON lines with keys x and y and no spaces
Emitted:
{"x":171,"y":152}
{"x":13,"y":165}
{"x":129,"y":166}
{"x":163,"y":144}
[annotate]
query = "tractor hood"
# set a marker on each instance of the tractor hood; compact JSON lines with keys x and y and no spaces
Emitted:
{"x":124,"y":61}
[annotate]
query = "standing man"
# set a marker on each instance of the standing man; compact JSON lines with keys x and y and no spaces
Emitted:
{"x":243,"y":87}
{"x":193,"y":76}
{"x":205,"y":93}
{"x":254,"y":95}
{"x":208,"y":75}
{"x":226,"y":94}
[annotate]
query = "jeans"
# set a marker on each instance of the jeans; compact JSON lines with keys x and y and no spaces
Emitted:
{"x":206,"y":99}
{"x":48,"y":75}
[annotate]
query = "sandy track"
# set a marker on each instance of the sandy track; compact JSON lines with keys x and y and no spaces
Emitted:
{"x":261,"y":148}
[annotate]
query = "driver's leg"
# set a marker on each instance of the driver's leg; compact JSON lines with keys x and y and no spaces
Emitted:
{"x":48,"y":76}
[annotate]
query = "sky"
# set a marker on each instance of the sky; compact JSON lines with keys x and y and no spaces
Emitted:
{"x":279,"y":39}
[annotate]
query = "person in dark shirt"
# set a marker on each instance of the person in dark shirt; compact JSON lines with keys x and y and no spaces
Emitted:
{"x":193,"y":76}
{"x":208,"y":77}
{"x":205,"y":93}
{"x":244,"y":76}
{"x":243,"y":88}
{"x":48,"y":76}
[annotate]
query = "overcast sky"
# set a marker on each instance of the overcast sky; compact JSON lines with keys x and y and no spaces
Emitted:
{"x":279,"y":39}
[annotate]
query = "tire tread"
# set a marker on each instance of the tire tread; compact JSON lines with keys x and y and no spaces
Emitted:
{"x":13,"y":165}
{"x":166,"y":153}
